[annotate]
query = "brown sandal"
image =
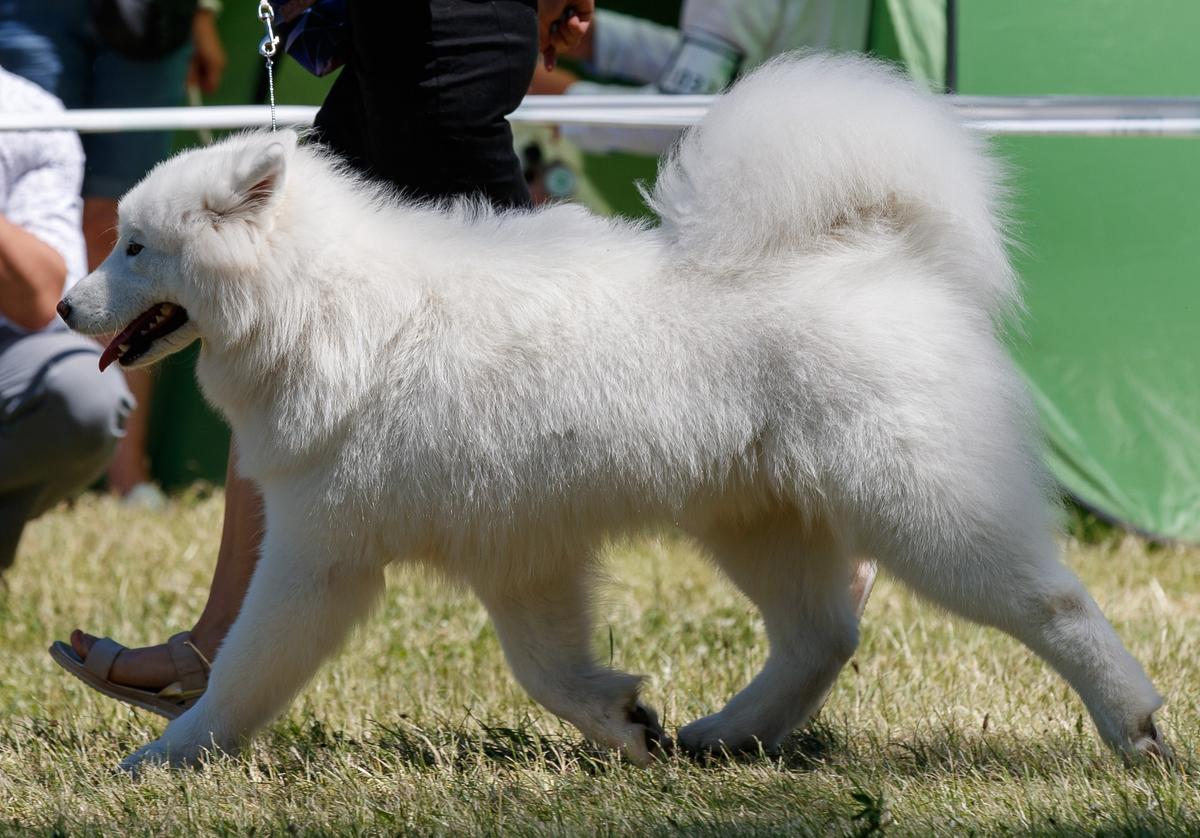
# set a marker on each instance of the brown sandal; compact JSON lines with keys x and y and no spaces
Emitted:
{"x":191,"y":674}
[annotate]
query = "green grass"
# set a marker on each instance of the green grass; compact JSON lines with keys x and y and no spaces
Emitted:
{"x":937,"y":727}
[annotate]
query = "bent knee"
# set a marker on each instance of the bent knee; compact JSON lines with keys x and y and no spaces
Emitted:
{"x":87,"y":411}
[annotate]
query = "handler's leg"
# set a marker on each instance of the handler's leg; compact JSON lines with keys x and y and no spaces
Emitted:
{"x":241,"y":540}
{"x":60,"y":421}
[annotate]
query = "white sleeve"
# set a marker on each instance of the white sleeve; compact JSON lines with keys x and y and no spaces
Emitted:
{"x":713,"y":48}
{"x":757,"y":29}
{"x":703,"y":60}
{"x":630,"y":48}
{"x":719,"y":40}
{"x":746,"y":25}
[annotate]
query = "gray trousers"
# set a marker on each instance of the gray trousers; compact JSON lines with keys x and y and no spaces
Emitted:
{"x":60,"y":421}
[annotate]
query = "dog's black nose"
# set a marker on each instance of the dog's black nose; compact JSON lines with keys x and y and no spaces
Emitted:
{"x":64,"y":309}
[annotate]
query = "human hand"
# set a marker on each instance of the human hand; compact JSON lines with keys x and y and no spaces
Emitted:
{"x":208,"y":55}
{"x":562,"y":25}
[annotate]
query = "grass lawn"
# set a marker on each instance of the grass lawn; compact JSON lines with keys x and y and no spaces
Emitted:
{"x":937,"y":727}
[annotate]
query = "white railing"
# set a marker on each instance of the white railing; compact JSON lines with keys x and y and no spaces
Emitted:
{"x":1015,"y":116}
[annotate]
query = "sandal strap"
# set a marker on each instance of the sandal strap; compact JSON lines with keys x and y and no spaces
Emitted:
{"x":100,"y":657}
{"x":191,"y":669}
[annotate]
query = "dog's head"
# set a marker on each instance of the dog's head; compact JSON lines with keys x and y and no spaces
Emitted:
{"x":192,"y":238}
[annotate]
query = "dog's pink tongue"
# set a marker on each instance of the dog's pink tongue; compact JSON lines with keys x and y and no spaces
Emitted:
{"x":111,"y":352}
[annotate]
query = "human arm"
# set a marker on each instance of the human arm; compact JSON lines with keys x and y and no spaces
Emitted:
{"x":627,"y":48}
{"x":208,"y":54}
{"x":32,"y":276}
{"x":621,"y":47}
{"x":41,"y":228}
{"x":616,"y":46}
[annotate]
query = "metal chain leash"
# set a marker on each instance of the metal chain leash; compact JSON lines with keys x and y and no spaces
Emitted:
{"x":266,"y":48}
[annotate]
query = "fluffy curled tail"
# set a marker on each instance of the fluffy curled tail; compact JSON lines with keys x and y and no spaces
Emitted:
{"x":806,"y":146}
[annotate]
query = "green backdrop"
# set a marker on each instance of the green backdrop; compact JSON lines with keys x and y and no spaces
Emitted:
{"x":1109,"y":228}
{"x":1107,"y":231}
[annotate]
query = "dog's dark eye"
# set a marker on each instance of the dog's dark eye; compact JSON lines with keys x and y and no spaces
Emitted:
{"x":133,"y":249}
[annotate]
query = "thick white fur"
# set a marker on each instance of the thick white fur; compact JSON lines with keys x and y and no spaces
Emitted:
{"x":800,"y":367}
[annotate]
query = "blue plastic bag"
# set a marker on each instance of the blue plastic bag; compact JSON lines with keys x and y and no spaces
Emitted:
{"x":315,"y":33}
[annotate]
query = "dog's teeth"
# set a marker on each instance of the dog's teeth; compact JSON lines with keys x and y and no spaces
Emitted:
{"x":124,"y":347}
{"x":165,"y":308}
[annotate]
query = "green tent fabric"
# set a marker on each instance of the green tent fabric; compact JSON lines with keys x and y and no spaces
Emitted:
{"x":1108,"y":230}
{"x":919,"y":27}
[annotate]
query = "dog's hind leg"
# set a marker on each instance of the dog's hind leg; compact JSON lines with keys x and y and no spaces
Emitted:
{"x":801,"y":584}
{"x":545,"y":629}
{"x":299,"y":608}
{"x":1006,"y":573}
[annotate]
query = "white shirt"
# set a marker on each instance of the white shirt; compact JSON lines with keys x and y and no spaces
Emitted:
{"x":717,"y":40}
{"x":41,"y":173}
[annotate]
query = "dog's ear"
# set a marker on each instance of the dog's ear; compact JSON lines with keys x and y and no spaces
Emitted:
{"x":258,"y":177}
{"x":235,"y":213}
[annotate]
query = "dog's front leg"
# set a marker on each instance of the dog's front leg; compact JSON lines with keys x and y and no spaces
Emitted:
{"x":544,"y":627}
{"x":300,"y":606}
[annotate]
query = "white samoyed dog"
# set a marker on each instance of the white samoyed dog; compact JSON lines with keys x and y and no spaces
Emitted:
{"x":800,"y":366}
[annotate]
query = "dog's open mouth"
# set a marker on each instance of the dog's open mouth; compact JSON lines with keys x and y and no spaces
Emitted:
{"x":136,"y":338}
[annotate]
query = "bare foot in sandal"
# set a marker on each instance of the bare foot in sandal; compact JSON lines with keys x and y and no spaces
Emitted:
{"x":145,"y":683}
{"x":149,"y":667}
{"x":168,"y":678}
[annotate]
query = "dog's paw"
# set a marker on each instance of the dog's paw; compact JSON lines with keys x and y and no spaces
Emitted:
{"x":612,"y":716}
{"x":162,"y":752}
{"x":145,"y":757}
{"x":714,"y":735}
{"x":1149,"y":744}
{"x":644,"y":739}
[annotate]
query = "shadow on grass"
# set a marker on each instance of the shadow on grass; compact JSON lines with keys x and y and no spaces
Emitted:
{"x":468,"y":744}
{"x":949,"y":752}
{"x":445,"y":745}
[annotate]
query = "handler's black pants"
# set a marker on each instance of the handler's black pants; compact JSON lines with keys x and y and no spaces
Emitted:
{"x":423,"y":97}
